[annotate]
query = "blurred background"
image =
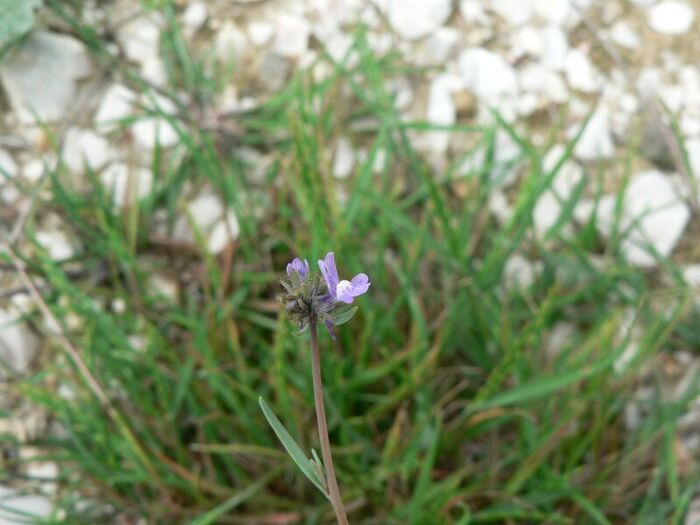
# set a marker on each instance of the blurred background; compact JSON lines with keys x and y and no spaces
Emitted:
{"x":519,"y":179}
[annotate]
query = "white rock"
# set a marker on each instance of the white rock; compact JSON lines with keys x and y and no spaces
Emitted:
{"x":693,"y":515}
{"x":472,"y":163}
{"x":624,"y":35}
{"x":291,"y":36}
{"x":41,"y":76}
{"x":230,"y":44}
{"x":118,"y":305}
{"x":153,"y":71}
{"x":140,"y":37}
{"x":201,"y":216}
{"x":596,"y":141}
{"x":84,"y":148}
{"x":440,"y":44}
{"x":333,"y":14}
{"x":527,"y":104}
{"x":691,"y":275}
{"x":549,"y":205}
{"x":223,"y":233}
{"x":555,"y":47}
{"x":47,"y":471}
{"x":17,"y":507}
{"x":554,"y":89}
{"x":690,"y":125}
{"x":581,"y":74}
{"x":8,"y":166}
{"x":403,"y":95}
{"x":127,"y":186}
{"x":260,"y":32}
{"x":519,"y":272}
{"x":274,"y":71}
{"x":671,"y":17}
{"x":657,"y":217}
{"x":380,"y":43}
{"x":195,"y":16}
{"x":689,"y":79}
{"x":473,"y":12}
{"x":338,"y":45}
{"x":370,"y":17}
{"x":33,"y":170}
{"x":441,"y":111}
{"x":414,"y":19}
{"x":628,"y":103}
{"x":692,"y":147}
{"x":161,"y":285}
{"x":205,"y":210}
{"x":561,"y":336}
{"x":500,"y":207}
{"x":117,"y":104}
{"x":563,"y":13}
{"x":535,"y":78}
{"x":506,"y":159}
{"x":18,"y":345}
{"x":344,"y":159}
{"x":56,"y":243}
{"x":515,"y":12}
{"x":150,"y":132}
{"x":487,"y":74}
{"x":527,"y":41}
{"x":649,"y":81}
{"x":8,"y":170}
{"x":672,"y":97}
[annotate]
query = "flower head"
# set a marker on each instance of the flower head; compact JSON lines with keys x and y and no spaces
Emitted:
{"x":342,"y":290}
{"x":301,"y":268}
{"x":310,"y":297}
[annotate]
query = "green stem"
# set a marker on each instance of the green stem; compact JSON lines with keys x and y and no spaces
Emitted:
{"x":333,"y":490}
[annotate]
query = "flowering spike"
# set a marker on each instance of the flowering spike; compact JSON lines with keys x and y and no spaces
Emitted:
{"x":310,"y":297}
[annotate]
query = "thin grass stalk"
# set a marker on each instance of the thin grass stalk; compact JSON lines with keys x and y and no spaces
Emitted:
{"x":333,"y":490}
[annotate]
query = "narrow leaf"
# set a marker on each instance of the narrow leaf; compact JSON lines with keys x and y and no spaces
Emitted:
{"x":294,"y":450}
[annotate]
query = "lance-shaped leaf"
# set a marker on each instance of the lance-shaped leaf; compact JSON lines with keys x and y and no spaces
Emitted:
{"x":294,"y":450}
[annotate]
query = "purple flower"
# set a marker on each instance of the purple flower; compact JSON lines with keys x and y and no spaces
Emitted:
{"x":302,"y":268}
{"x":338,"y":290}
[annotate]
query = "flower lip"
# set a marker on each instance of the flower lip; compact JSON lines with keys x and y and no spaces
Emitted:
{"x":344,"y":291}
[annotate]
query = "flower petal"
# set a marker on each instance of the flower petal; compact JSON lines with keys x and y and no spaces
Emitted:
{"x":330,"y":273}
{"x":302,"y":268}
{"x":359,"y":284}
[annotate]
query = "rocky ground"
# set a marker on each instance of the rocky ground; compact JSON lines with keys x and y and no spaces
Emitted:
{"x":626,"y":68}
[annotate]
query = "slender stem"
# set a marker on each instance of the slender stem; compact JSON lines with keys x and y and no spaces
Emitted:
{"x":333,"y":490}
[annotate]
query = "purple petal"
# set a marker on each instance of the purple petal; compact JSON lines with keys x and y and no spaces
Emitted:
{"x":302,"y":268}
{"x":330,"y":273}
{"x":360,"y":284}
{"x":329,"y":325}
